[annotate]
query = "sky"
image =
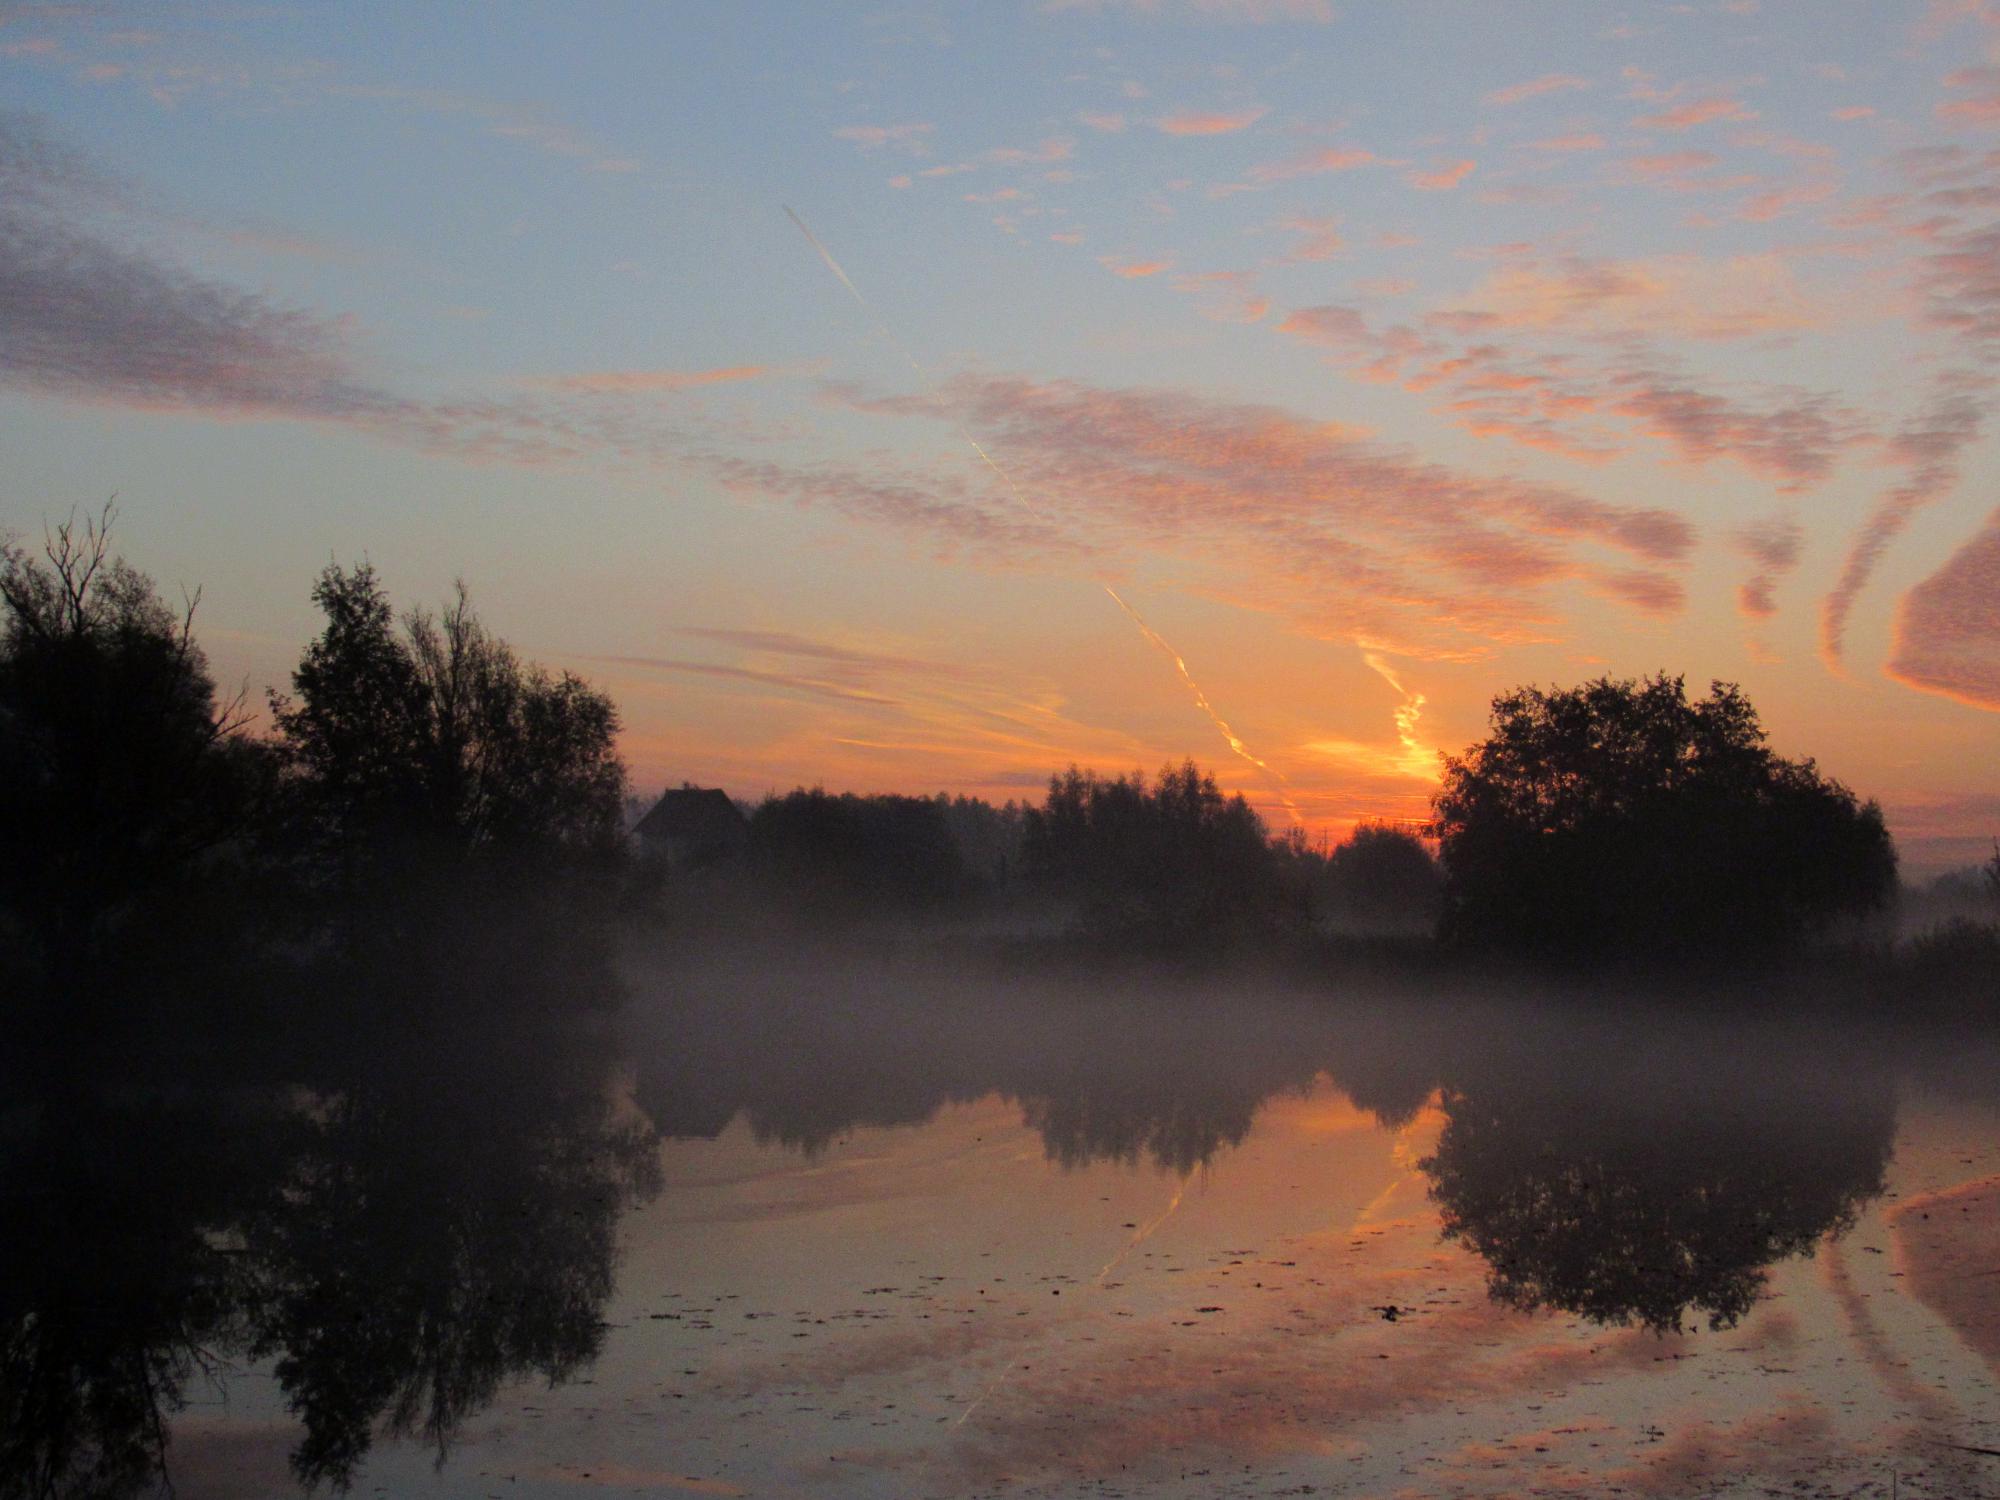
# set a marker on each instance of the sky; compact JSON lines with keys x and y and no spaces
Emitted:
{"x":923,"y":397}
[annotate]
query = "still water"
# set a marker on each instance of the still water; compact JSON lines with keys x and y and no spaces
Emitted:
{"x":880,"y":1226}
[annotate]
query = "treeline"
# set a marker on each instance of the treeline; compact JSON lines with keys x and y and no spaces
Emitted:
{"x":1161,"y":862}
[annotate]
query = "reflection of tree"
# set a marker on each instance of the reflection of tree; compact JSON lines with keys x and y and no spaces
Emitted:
{"x":1173,"y":1129}
{"x":401,"y":1246}
{"x":431,"y":1241}
{"x":114,"y":1288}
{"x":1641,"y":1198}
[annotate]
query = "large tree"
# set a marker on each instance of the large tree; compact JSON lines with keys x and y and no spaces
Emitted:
{"x":1619,"y":817}
{"x":123,"y":778}
{"x":437,"y":733}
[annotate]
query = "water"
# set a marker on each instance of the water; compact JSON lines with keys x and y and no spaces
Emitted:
{"x":862,"y":1226}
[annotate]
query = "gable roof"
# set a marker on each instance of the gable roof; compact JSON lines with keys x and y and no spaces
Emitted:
{"x":693,"y":815}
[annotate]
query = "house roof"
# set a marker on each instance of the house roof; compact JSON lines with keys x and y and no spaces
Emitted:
{"x":694,"y":814}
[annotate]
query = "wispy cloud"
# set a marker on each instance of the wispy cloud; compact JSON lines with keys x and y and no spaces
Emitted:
{"x":1200,"y":123}
{"x":1340,"y":534}
{"x":1443,"y":179}
{"x":1313,"y":163}
{"x":1548,"y":83}
{"x":1706,"y":111}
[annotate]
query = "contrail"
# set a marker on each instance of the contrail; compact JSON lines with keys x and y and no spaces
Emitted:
{"x":1201,"y":699}
{"x":1201,"y":702}
{"x":1412,"y":709}
{"x":1145,"y":1231}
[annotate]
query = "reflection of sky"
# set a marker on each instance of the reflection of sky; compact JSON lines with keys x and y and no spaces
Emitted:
{"x":1499,"y":351}
{"x":920,"y":1310}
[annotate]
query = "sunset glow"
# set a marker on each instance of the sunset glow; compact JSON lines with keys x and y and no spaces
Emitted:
{"x":1378,"y":358}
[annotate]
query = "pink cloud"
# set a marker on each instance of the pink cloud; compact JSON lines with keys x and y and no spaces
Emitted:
{"x":1303,"y":517}
{"x":1132,"y":270}
{"x":1773,"y":545}
{"x":1984,"y":110}
{"x":1209,"y":124}
{"x":1548,"y":83}
{"x":1105,"y":122}
{"x":1319,"y":239}
{"x":1696,"y":112}
{"x":1670,"y":164}
{"x":1444,"y":179}
{"x":1312,"y":163}
{"x":1947,"y":631}
{"x":1586,"y":141}
{"x":632,"y":381}
{"x":1853,"y":112}
{"x":1929,"y":444}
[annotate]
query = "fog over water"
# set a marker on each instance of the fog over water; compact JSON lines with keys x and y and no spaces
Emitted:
{"x":896,"y":1219}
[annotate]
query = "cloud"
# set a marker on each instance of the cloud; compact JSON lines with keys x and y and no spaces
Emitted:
{"x":868,"y":137}
{"x":1773,"y":545}
{"x":1106,"y":122}
{"x":1300,"y":517}
{"x":1194,"y":123}
{"x":1133,"y":270}
{"x":641,"y":381}
{"x":1742,"y":296}
{"x":1695,"y":112}
{"x":1548,"y":83}
{"x":1312,"y":163}
{"x":1794,"y":442}
{"x":1947,"y":629}
{"x":85,"y":316}
{"x":1225,"y":296}
{"x":1444,"y":179}
{"x":1318,"y":239}
{"x":1247,"y":12}
{"x":529,"y":124}
{"x":1583,"y":141}
{"x":1929,"y":444}
{"x":1982,"y":110}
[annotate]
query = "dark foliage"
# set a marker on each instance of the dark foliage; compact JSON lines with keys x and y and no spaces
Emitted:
{"x":1618,"y":817}
{"x":828,"y":856}
{"x":1173,"y":864}
{"x":1383,"y":875}
{"x":437,"y":736}
{"x":127,"y":792}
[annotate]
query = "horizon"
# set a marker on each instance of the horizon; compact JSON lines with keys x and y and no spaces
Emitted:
{"x":1371,"y":362}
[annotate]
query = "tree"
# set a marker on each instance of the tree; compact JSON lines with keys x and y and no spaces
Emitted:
{"x":122,"y":777}
{"x":1383,"y":874}
{"x":1175,"y":863}
{"x":439,"y":735}
{"x":1620,"y":817}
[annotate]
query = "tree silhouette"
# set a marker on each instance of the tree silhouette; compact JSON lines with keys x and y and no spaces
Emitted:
{"x":1175,"y":863}
{"x":1620,"y":817}
{"x":123,"y":780}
